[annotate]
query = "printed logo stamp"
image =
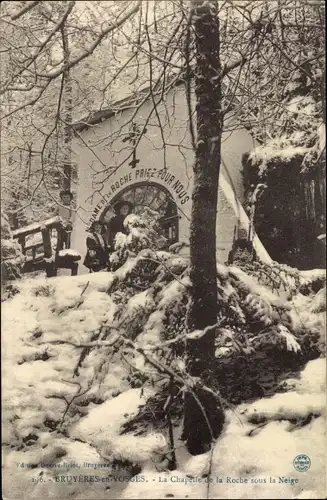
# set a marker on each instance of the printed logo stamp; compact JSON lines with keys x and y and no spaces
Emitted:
{"x":302,"y":463}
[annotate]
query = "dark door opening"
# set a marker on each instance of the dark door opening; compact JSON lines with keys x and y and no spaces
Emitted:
{"x":155,"y":197}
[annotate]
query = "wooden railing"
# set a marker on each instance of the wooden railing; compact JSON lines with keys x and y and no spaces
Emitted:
{"x":48,"y":258}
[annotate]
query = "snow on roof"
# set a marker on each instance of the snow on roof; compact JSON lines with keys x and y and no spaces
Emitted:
{"x":120,"y":105}
{"x":126,"y":103}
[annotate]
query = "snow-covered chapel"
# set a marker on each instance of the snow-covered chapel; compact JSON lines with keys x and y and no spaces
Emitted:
{"x":140,"y":151}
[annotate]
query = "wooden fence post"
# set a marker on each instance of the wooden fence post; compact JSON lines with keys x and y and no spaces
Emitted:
{"x":50,"y":267}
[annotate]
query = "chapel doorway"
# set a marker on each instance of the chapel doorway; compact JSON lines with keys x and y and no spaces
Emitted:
{"x":157,"y":198}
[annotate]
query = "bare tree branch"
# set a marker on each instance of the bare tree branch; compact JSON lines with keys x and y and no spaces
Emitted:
{"x":40,"y":48}
{"x":26,"y":8}
{"x":93,"y":46}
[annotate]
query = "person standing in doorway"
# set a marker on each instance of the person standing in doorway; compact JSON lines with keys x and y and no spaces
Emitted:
{"x":116,"y":225}
{"x":96,"y":258}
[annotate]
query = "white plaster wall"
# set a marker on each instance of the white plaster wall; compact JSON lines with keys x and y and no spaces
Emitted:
{"x":99,"y":160}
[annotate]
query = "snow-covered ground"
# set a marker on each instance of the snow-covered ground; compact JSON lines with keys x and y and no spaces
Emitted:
{"x":45,"y":458}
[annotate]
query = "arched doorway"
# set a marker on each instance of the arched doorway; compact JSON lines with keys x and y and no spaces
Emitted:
{"x":154,"y":196}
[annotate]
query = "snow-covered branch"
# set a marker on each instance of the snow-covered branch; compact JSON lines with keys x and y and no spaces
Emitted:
{"x":29,"y":6}
{"x":74,"y":61}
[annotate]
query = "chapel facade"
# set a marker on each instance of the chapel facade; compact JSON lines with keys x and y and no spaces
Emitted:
{"x":140,"y":151}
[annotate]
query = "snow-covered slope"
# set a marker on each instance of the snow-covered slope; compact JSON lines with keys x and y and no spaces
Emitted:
{"x":254,"y":456}
{"x":57,"y":424}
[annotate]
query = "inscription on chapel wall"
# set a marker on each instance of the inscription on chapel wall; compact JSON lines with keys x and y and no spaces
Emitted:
{"x":164,"y":176}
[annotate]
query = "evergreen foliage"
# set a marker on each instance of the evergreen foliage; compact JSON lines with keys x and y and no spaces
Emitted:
{"x":11,"y":257}
{"x":257,"y":342}
{"x":139,"y":342}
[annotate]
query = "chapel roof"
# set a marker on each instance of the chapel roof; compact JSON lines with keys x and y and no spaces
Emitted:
{"x":117,"y":106}
{"x":95,"y":117}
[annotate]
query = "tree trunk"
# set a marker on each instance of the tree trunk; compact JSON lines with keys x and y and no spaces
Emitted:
{"x":67,"y":114}
{"x":199,"y":429}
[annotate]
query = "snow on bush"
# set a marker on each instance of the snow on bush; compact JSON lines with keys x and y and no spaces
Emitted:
{"x":12,"y":259}
{"x":142,"y":233}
